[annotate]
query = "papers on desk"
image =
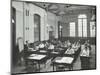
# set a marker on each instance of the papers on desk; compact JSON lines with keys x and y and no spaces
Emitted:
{"x":43,"y":51}
{"x":31,"y":49}
{"x":37,"y":57}
{"x":32,"y":55}
{"x":67,"y":60}
{"x":55,"y":52}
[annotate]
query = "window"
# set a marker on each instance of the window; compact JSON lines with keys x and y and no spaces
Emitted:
{"x":82,"y":25}
{"x":72,"y":29}
{"x":36,"y":27}
{"x":92,"y":29}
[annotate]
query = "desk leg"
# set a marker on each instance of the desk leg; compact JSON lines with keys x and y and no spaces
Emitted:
{"x":53,"y":66}
{"x":70,"y":67}
{"x":39,"y":66}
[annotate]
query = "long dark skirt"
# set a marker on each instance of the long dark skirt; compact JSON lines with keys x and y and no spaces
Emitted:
{"x":85,"y":63}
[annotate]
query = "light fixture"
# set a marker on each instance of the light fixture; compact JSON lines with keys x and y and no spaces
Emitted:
{"x":93,"y":17}
{"x":61,"y":27}
{"x":13,"y":21}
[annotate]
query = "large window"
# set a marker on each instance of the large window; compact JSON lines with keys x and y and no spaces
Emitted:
{"x":36,"y":27}
{"x":72,"y":29}
{"x":82,"y":25}
{"x":92,"y":29}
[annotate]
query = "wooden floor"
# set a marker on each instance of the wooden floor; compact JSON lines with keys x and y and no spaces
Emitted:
{"x":49,"y":67}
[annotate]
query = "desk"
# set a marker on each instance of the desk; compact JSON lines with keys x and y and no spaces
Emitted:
{"x":56,"y":53}
{"x":38,"y":58}
{"x":31,"y":51}
{"x":66,"y":61}
{"x":73,"y":53}
{"x":42,"y":52}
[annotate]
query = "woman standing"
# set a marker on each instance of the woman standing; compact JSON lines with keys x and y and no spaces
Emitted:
{"x":85,"y":58}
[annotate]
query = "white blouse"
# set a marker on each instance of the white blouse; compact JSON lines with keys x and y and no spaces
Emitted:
{"x":85,"y":52}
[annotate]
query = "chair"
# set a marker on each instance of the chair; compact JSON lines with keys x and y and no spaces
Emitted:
{"x":21,"y":49}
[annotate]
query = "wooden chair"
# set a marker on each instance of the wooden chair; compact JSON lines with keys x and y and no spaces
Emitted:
{"x":21,"y":49}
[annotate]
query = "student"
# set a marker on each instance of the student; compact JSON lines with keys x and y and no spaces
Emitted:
{"x":41,"y":46}
{"x":88,"y":44}
{"x":59,"y":44}
{"x":51,"y":47}
{"x":85,"y":56}
{"x":72,"y":51}
{"x":46,"y":45}
{"x":74,"y":45}
{"x":65,"y":44}
{"x":36,"y":47}
{"x":27,"y":46}
{"x":68,"y":43}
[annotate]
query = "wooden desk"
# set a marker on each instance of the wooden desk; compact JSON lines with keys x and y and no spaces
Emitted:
{"x":39,"y":58}
{"x":57,"y":52}
{"x":66,"y":61}
{"x":32,"y":51}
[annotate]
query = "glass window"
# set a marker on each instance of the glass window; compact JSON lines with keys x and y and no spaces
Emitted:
{"x":72,"y":29}
{"x":82,"y":25}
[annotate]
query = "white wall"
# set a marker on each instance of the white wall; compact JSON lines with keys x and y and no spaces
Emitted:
{"x":19,"y":18}
{"x":37,"y":10}
{"x":53,"y":21}
{"x":46,"y":18}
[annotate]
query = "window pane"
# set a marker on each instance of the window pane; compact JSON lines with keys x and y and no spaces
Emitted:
{"x":72,"y":29}
{"x":80,"y":27}
{"x":84,"y":27}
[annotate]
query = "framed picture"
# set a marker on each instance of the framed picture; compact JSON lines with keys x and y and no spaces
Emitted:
{"x":52,"y":37}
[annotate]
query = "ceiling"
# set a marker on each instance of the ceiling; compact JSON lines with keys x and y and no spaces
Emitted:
{"x":61,"y":9}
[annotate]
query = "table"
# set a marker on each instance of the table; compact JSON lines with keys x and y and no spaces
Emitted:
{"x":46,"y":52}
{"x":39,"y":58}
{"x":66,"y":61}
{"x":31,"y":51}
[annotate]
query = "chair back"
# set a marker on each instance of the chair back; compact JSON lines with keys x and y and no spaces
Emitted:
{"x":20,"y":44}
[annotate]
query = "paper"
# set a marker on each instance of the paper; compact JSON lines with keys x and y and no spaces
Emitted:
{"x":32,"y":55}
{"x":55,"y":52}
{"x":65,"y":60}
{"x":37,"y":57}
{"x":43,"y":51}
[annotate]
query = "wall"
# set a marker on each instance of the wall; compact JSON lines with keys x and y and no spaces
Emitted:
{"x":73,"y":17}
{"x":24,"y":22}
{"x":53,"y":21}
{"x":32,"y":10}
{"x":19,"y":19}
